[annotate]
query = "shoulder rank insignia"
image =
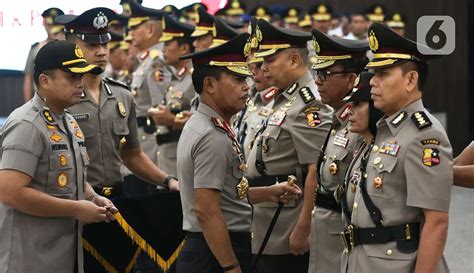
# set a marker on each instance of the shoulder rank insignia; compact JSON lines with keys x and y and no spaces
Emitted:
{"x":158,"y":75}
{"x":398,"y":119}
{"x":306,"y":94}
{"x":312,"y":116}
{"x":116,"y":82}
{"x":430,"y":141}
{"x":431,"y":157}
{"x":56,"y":137}
{"x":292,"y":88}
{"x":121,"y":109}
{"x":47,"y":116}
{"x":154,"y":53}
{"x":421,"y":120}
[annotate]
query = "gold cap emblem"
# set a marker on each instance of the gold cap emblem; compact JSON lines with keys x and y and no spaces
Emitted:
{"x":316,"y":47}
{"x":373,"y":42}
{"x":322,"y":9}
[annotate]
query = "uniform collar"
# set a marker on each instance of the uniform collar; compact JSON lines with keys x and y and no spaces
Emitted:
{"x":396,"y":121}
{"x":208,"y":111}
{"x":266,"y":96}
{"x":293,"y":89}
{"x":183,"y":71}
{"x":341,"y":116}
{"x":49,"y":117}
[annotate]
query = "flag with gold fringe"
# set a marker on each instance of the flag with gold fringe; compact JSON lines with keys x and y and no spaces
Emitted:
{"x":151,"y":224}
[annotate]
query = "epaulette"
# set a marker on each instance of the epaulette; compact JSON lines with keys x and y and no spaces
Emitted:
{"x":421,"y":120}
{"x":119,"y":83}
{"x":306,"y":94}
{"x":154,"y":53}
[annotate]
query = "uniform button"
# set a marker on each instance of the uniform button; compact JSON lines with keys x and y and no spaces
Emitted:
{"x":158,"y":153}
{"x":313,"y":212}
{"x":143,"y":137}
{"x":375,"y":148}
{"x":268,"y":134}
{"x":355,"y":205}
{"x":381,"y":166}
{"x":389,"y":252}
{"x":377,"y":160}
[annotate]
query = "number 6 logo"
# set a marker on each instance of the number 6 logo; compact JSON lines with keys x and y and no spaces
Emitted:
{"x":438,"y":33}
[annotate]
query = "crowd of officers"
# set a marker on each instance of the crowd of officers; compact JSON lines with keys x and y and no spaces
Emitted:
{"x":233,"y":107}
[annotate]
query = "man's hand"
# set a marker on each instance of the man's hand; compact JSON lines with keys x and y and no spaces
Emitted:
{"x":108,"y":205}
{"x":162,"y":115}
{"x":173,"y":185}
{"x":181,"y":119}
{"x":284,"y":193}
{"x":89,"y":212}
{"x":299,"y":241}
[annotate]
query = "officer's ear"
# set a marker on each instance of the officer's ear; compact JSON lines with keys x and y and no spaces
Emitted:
{"x":209,"y":85}
{"x":412,"y":80}
{"x":185,"y":49}
{"x":44,"y":79}
{"x":350,"y":80}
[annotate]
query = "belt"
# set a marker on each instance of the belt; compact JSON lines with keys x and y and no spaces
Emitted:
{"x":353,"y":236}
{"x":110,"y":192}
{"x":268,"y":180}
{"x":169,"y":137}
{"x":147,"y":123}
{"x":327,"y":201}
{"x":235,"y":236}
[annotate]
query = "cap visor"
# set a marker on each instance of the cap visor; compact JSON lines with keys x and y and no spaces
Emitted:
{"x":166,"y":38}
{"x":199,"y":33}
{"x":84,"y":68}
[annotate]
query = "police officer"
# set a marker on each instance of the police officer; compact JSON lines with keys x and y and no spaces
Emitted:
{"x":396,"y":22}
{"x":399,"y":217}
{"x":43,"y":188}
{"x":54,"y":32}
{"x":106,"y":112}
{"x":338,"y":62}
{"x":287,"y":144}
{"x":216,"y":209}
{"x":118,"y":52}
{"x":179,"y":93}
{"x":149,"y":81}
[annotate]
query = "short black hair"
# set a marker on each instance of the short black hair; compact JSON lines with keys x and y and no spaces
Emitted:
{"x":186,"y":40}
{"x":355,"y":65}
{"x":201,"y":72}
{"x":36,"y":75}
{"x":420,"y":67}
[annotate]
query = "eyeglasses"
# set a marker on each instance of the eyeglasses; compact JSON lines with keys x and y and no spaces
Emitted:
{"x":323,"y":75}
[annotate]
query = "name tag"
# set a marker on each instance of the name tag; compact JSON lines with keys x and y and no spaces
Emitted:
{"x":277,"y":118}
{"x":82,"y":116}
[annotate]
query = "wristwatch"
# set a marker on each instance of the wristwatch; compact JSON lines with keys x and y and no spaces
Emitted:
{"x":231,"y":267}
{"x":167,"y":180}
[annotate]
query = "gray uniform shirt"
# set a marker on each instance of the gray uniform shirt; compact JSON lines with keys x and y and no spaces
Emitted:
{"x":207,"y":159}
{"x":326,"y":224}
{"x":109,"y":127}
{"x":410,"y":169}
{"x":50,"y":149}
{"x":293,"y":139}
{"x":179,"y":94}
{"x":30,"y":62}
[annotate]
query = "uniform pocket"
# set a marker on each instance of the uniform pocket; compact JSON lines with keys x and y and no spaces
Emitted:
{"x":383,"y":184}
{"x":387,"y":251}
{"x":61,"y":175}
{"x":270,"y":141}
{"x":121,"y":128}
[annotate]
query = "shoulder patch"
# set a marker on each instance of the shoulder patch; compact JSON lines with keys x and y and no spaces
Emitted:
{"x":292,"y":88}
{"x":430,"y":141}
{"x":398,"y":119}
{"x":118,"y":83}
{"x":306,"y":94}
{"x":421,"y":120}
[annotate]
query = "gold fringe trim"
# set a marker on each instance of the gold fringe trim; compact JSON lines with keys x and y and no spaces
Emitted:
{"x":133,"y":261}
{"x":87,"y":246}
{"x":165,"y":265}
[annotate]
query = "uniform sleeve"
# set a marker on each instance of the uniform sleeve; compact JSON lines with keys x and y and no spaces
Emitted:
{"x":132,"y":139}
{"x":309,"y":131}
{"x":21,"y":148}
{"x":429,"y":171}
{"x":29,"y":62}
{"x":211,"y":157}
{"x":471,"y":145}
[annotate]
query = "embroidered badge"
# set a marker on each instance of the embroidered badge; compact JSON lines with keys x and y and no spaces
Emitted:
{"x":59,"y":147}
{"x":121,"y":109}
{"x":312,"y":116}
{"x":62,"y":180}
{"x":430,"y":141}
{"x":306,"y":94}
{"x":421,"y":120}
{"x":431,"y":157}
{"x":62,"y":160}
{"x":47,"y":116}
{"x":389,"y":148}
{"x":158,"y":75}
{"x":79,"y":134}
{"x":333,"y":168}
{"x":51,"y":127}
{"x":398,"y":119}
{"x":56,"y":137}
{"x":378,"y":182}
